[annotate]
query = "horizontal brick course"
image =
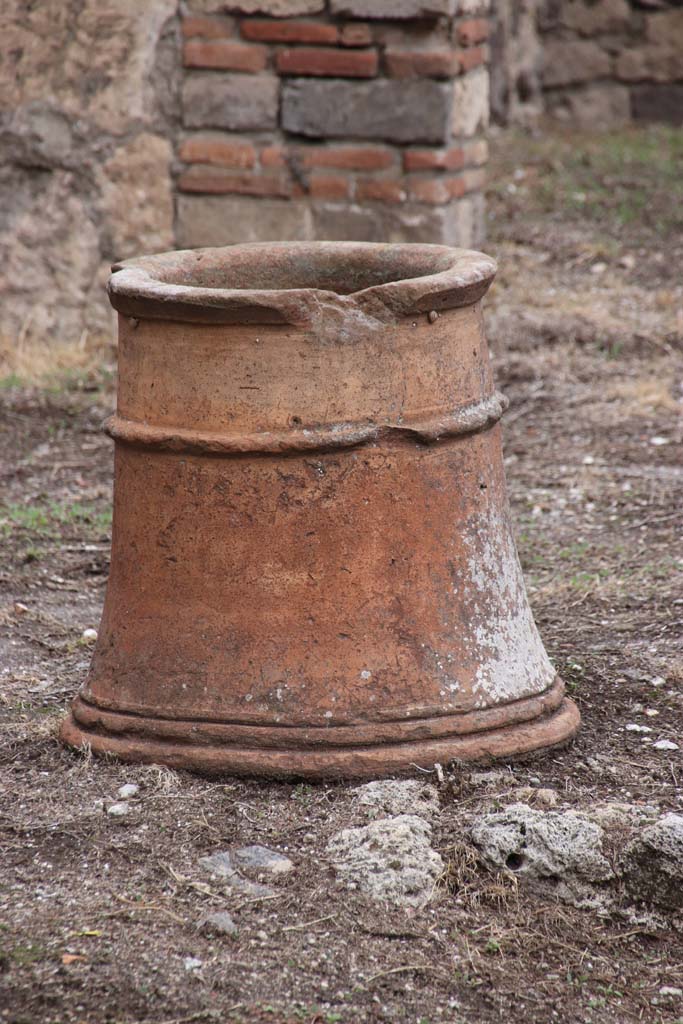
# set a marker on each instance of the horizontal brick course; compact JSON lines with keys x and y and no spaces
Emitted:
{"x":273,"y":156}
{"x":207,"y":27}
{"x":456,"y":187}
{"x":329,"y":186}
{"x":219,"y":181}
{"x":355,"y":34}
{"x":225,"y":55}
{"x":289,"y":31}
{"x":381,"y":189}
{"x":433,"y":159}
{"x":330,"y":63}
{"x":207,"y":149}
{"x":350,"y":158}
{"x":426,"y":63}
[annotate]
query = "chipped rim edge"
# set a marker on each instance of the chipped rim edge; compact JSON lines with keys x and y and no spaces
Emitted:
{"x":137,"y":289}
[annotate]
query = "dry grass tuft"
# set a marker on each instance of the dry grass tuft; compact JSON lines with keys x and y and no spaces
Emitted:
{"x":472,"y":882}
{"x":41,"y":360}
{"x":643,"y":396}
{"x":161,"y":779}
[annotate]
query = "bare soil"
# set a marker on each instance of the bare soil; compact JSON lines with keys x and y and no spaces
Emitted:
{"x":98,"y":916}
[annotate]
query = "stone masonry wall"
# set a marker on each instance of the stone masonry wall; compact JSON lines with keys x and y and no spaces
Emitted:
{"x":608,"y":62}
{"x":594,"y":63}
{"x":88,"y":113}
{"x":340,"y":119}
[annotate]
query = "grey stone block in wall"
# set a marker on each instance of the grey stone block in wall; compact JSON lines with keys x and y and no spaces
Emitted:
{"x":569,"y":62}
{"x":393,"y":8}
{"x":398,"y":111}
{"x":460,"y":223}
{"x":235,"y":102}
{"x":223,"y":220}
{"x":274,"y":8}
{"x":593,"y":107}
{"x":658,"y":103}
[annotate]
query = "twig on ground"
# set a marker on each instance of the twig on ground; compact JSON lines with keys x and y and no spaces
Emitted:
{"x":400,"y":970}
{"x":308,"y":924}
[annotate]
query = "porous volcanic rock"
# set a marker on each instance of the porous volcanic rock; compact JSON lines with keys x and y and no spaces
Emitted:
{"x":389,"y":797}
{"x":555,"y":851}
{"x":390,"y":860}
{"x":652,"y":864}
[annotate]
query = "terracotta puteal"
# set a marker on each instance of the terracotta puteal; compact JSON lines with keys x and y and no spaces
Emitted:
{"x":313,"y":572}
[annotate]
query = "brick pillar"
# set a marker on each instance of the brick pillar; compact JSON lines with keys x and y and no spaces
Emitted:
{"x":337,"y":119}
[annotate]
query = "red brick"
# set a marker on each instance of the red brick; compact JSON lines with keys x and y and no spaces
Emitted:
{"x":289,"y":31}
{"x":349,"y":158}
{"x":381,"y":189}
{"x":433,"y":159}
{"x":307,"y":60}
{"x":204,"y":149}
{"x":224,"y":54}
{"x":472,"y":31}
{"x":473,"y":58}
{"x":474,"y":180}
{"x":355,"y":34}
{"x":273,"y":156}
{"x":476,"y":152}
{"x":208,"y":28}
{"x":423,"y":63}
{"x":201,"y":178}
{"x":329,"y":186}
{"x":456,"y":186}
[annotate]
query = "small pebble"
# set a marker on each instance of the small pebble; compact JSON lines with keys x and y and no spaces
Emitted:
{"x":118,"y":810}
{"x":659,"y":441}
{"x":260,"y":859}
{"x":665,"y":745}
{"x":89,"y":635}
{"x":433,"y":316}
{"x":19,"y":608}
{"x":128,"y":791}
{"x":671,"y":992}
{"x":191,"y":963}
{"x":598,"y":268}
{"x":634,"y":727}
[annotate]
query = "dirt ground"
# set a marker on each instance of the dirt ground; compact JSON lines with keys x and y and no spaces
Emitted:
{"x":99,"y":916}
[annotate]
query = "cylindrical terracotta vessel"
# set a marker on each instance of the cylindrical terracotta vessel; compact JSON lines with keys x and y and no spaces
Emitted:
{"x":313,"y":571}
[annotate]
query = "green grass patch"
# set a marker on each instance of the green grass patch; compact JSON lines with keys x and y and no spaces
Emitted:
{"x":619,"y":180}
{"x":50,"y":520}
